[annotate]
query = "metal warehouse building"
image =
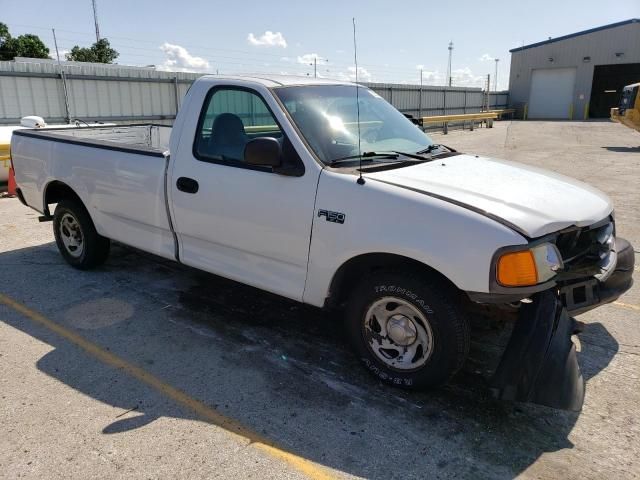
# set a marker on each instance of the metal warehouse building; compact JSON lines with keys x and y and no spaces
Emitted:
{"x":576,"y":76}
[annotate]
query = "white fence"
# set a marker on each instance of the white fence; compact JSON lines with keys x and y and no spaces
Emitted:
{"x":113,"y":93}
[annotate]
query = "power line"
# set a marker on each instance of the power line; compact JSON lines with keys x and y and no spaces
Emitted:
{"x":194,"y":50}
{"x":250,"y":60}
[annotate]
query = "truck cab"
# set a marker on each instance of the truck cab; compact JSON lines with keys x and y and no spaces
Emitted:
{"x":628,"y":113}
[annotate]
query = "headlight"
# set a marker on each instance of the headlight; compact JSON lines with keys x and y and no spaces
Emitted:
{"x":528,"y":267}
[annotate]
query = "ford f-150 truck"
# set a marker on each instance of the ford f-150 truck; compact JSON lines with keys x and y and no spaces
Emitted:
{"x":322,"y":192}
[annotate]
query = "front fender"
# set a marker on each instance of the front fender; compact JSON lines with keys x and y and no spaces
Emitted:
{"x":379,"y":218}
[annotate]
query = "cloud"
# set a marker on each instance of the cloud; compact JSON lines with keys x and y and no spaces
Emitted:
{"x":267,"y":39}
{"x":486,"y":58}
{"x":363,"y":74}
{"x":63,"y":54}
{"x":178,"y":59}
{"x":433,"y":77}
{"x":464,"y":77}
{"x":461,"y":77}
{"x":307,"y":58}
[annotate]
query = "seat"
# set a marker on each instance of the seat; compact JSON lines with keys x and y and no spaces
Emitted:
{"x":228,"y":137}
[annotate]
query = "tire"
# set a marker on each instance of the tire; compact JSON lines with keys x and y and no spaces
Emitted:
{"x":76,"y":236}
{"x":422,"y":337}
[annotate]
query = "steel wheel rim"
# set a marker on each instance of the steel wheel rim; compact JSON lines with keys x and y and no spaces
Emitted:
{"x":398,"y":334}
{"x":71,"y":235}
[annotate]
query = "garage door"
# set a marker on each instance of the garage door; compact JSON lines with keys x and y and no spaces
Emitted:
{"x":551,"y":92}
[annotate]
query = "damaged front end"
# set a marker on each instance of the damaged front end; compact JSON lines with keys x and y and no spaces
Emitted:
{"x":540,"y":363}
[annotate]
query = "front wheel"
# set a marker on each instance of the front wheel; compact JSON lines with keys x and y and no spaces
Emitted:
{"x":78,"y":241}
{"x":408,"y":330}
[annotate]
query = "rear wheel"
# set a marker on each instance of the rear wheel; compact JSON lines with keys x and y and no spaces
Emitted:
{"x":408,"y":330}
{"x":76,"y":236}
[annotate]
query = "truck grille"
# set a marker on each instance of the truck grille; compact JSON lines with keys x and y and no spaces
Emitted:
{"x":587,"y":251}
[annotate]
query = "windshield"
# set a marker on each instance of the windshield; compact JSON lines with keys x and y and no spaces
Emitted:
{"x":327,"y":117}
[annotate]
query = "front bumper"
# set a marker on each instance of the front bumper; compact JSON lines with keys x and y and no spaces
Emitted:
{"x":586,"y":294}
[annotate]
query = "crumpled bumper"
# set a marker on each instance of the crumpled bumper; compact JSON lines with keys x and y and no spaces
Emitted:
{"x":540,"y":363}
{"x":584,"y":295}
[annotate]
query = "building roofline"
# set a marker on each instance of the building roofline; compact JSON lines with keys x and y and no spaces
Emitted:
{"x":577,"y":34}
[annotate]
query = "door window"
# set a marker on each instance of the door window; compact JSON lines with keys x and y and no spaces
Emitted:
{"x":229,"y":120}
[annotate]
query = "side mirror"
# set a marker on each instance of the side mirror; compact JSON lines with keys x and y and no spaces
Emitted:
{"x":263,"y":151}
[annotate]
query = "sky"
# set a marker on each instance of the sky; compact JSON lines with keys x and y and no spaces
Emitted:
{"x":395,"y":40}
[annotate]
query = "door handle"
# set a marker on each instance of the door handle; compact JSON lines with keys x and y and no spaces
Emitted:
{"x":188,"y":185}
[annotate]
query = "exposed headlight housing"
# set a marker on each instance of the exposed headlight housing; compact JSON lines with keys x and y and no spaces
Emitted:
{"x":529,"y":267}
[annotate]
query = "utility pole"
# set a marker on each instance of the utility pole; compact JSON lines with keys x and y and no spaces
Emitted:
{"x":495,"y":78}
{"x":63,"y":78}
{"x":449,"y":65}
{"x":55,"y":42}
{"x":487,"y":98}
{"x":420,"y":97}
{"x":95,"y":19}
{"x":315,"y":65}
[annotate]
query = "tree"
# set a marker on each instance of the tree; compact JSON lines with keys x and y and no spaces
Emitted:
{"x":99,"y":52}
{"x":4,"y":33}
{"x":31,"y":46}
{"x":27,"y":45}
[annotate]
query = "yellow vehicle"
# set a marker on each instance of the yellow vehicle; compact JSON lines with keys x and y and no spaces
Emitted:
{"x":629,"y":111}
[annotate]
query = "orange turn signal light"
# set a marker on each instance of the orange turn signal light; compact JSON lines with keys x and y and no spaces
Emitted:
{"x":517,"y":269}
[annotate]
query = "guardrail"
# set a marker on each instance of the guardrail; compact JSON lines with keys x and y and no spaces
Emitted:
{"x":505,"y":111}
{"x":486,"y":117}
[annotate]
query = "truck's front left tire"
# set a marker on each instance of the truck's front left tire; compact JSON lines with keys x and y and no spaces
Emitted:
{"x":76,"y":236}
{"x":408,"y":329}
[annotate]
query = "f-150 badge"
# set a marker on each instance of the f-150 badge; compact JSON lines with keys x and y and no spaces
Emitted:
{"x":335,"y":217}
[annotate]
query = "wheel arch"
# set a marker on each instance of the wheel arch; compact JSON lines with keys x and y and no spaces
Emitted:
{"x":351,"y":270}
{"x":56,"y":191}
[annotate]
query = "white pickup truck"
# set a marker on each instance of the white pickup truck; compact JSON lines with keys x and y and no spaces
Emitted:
{"x":316,"y":192}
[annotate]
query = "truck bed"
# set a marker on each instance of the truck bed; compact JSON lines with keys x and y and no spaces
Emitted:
{"x":149,"y":139}
{"x":119,"y":173}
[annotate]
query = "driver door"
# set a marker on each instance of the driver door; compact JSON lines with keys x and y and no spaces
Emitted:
{"x":237,"y":220}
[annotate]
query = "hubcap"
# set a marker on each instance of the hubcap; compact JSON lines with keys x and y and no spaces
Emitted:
{"x":71,"y":235}
{"x":398,"y":333}
{"x":401,"y":330}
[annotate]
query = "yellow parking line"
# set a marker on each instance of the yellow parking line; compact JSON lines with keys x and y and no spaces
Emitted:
{"x":307,"y":467}
{"x":627,"y":305}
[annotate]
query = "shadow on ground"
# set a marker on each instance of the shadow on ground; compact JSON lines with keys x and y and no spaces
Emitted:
{"x":279,"y":368}
{"x":623,"y":149}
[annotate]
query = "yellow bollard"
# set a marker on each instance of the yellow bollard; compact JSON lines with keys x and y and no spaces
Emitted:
{"x":571,"y":111}
{"x":5,"y":159}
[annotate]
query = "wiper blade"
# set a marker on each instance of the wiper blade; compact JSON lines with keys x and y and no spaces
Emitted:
{"x":417,"y":156}
{"x":365,"y":155}
{"x":435,"y":146}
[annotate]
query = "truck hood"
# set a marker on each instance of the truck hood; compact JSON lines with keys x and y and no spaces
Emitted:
{"x":533,"y":201}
